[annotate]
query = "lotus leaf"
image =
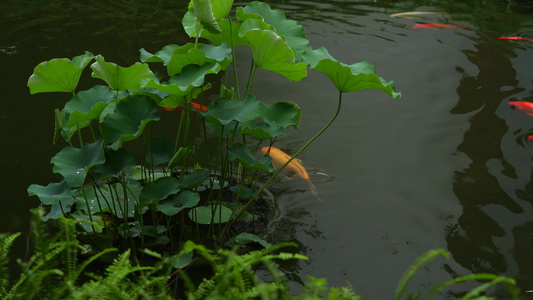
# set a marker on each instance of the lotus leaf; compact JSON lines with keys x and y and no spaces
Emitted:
{"x":246,"y":238}
{"x":162,"y":55}
{"x":348,"y":78}
{"x":247,"y":158}
{"x":180,"y":157}
{"x":175,"y":203}
{"x":127,"y":122}
{"x":210,"y":214}
{"x":193,"y":179}
{"x":115,"y":162}
{"x":204,"y":15}
{"x":271,"y":52}
{"x":291,"y":30}
{"x":155,"y":191}
{"x":88,"y":105}
{"x":53,"y":193}
{"x":243,"y":192}
{"x":58,"y":74}
{"x":74,"y":163}
{"x":119,"y":78}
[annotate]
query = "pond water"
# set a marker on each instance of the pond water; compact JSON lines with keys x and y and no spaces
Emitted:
{"x":446,"y":166}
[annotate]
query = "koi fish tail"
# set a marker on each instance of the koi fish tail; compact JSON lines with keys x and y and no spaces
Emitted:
{"x":314,"y":191}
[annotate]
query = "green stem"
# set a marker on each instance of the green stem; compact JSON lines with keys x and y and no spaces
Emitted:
{"x":233,"y":58}
{"x":305,"y":146}
{"x":294,"y":156}
{"x":250,"y":80}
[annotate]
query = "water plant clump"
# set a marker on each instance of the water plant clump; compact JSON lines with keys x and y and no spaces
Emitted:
{"x":125,"y":181}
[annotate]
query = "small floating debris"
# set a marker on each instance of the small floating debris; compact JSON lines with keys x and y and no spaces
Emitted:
{"x":434,"y":25}
{"x":515,"y":38}
{"x":413,"y":14}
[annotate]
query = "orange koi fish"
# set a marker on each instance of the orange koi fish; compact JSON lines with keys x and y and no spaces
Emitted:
{"x":524,"y":106}
{"x":515,"y":38}
{"x":194,"y":104}
{"x":438,"y":26}
{"x":279,"y":158}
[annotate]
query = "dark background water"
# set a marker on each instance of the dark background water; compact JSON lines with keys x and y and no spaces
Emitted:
{"x":447,"y":166}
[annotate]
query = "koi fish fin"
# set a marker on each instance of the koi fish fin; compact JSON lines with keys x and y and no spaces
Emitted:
{"x":312,"y":187}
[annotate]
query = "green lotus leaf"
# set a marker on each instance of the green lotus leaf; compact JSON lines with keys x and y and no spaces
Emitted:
{"x":53,"y":193}
{"x":276,"y":118}
{"x":177,"y":202}
{"x":155,"y":191}
{"x":283,"y":114}
{"x":224,"y":111}
{"x":169,"y":87}
{"x":128,"y":120}
{"x":348,"y":78}
{"x":291,"y":30}
{"x":87,"y":105}
{"x":60,"y":127}
{"x":101,"y":201}
{"x":254,"y":24}
{"x":194,"y":179}
{"x":271,"y":52}
{"x":162,"y":55}
{"x":247,"y":158}
{"x":210,"y":214}
{"x":195,"y":75}
{"x":58,"y":74}
{"x":243,"y":192}
{"x":180,"y":157}
{"x":226,"y":93}
{"x":119,"y":78}
{"x":221,"y":8}
{"x":74,"y":163}
{"x":179,"y":59}
{"x":246,"y":238}
{"x":261,"y":131}
{"x":58,"y":209}
{"x":160,"y":151}
{"x":115,"y":163}
{"x":204,"y":15}
{"x":221,"y":53}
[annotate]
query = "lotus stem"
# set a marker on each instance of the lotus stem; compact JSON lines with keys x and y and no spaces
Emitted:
{"x":305,"y":146}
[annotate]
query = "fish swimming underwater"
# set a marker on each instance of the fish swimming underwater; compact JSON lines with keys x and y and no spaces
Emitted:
{"x":524,"y":106}
{"x":194,"y":104}
{"x":514,"y":38}
{"x":438,"y":26}
{"x":279,"y":158}
{"x":411,"y":14}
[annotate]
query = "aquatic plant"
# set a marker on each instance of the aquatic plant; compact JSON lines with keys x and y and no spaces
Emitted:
{"x":61,"y":267}
{"x":147,"y":188}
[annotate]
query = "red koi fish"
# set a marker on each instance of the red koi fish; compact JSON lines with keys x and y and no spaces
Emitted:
{"x":194,"y":104}
{"x":279,"y":158}
{"x":515,"y":38}
{"x":438,"y":26}
{"x":524,"y":106}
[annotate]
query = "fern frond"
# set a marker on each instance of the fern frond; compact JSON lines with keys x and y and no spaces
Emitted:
{"x":413,"y":269}
{"x":6,"y":242}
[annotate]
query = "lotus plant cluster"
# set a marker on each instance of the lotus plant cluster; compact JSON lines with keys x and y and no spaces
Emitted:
{"x":128,"y":182}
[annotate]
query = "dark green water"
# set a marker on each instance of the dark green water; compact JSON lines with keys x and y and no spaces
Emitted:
{"x":447,"y":166}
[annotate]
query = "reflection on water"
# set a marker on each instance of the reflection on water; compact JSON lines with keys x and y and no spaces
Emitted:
{"x":488,"y":209}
